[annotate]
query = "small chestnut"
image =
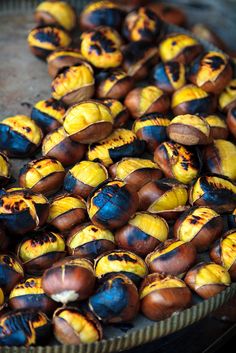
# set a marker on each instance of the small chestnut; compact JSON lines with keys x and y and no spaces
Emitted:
{"x":11,"y":272}
{"x":227,"y":98}
{"x":169,"y":76}
{"x":231,"y":121}
{"x":218,"y":126}
{"x":169,"y":13}
{"x":5,"y":169}
{"x":119,"y":112}
{"x":62,"y":58}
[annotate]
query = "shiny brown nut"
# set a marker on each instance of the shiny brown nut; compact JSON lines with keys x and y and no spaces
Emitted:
{"x":177,"y":161}
{"x":200,"y":225}
{"x":116,"y":300}
{"x":227,"y":98}
{"x":69,"y":280}
{"x":70,"y":326}
{"x":142,"y":234}
{"x":115,"y":84}
{"x":231,"y":121}
{"x":40,"y":250}
{"x":173,"y":257}
{"x":101,"y":47}
{"x":119,"y":112}
{"x":84,"y":177}
{"x":90,"y":241}
{"x":61,"y":58}
{"x":218,"y":126}
{"x":135,"y":171}
{"x":112,"y":204}
{"x":169,"y":13}
{"x":207,"y":279}
{"x":44,"y":175}
{"x":189,"y":130}
{"x":145,"y":100}
{"x":169,"y":76}
{"x":232,"y":219}
{"x":11,"y":272}
{"x":73,"y":84}
{"x":5,"y":169}
{"x":161,"y":296}
{"x":44,"y":40}
{"x":88,"y":121}
{"x":203,"y":31}
{"x":66,"y":211}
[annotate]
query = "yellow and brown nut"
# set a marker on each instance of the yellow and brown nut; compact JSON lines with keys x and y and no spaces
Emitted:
{"x":20,"y":136}
{"x":44,"y":40}
{"x":112,"y":204}
{"x":84,"y":177}
{"x":101,"y":47}
{"x":90,"y":241}
{"x":189,"y":130}
{"x":218,"y":126}
{"x":116,"y":300}
{"x":227,"y":98}
{"x":61,"y":58}
{"x":207,"y":279}
{"x":142,"y":234}
{"x":169,"y":13}
{"x":145,"y":100}
{"x":200,"y":225}
{"x":66,"y":211}
{"x":69,"y":280}
{"x":73,"y":84}
{"x":88,"y":122}
{"x":119,"y":112}
{"x":163,"y":295}
{"x":5,"y":169}
{"x":40,"y":250}
{"x":121,"y":143}
{"x":169,"y":76}
{"x":231,"y":121}
{"x":70,"y":326}
{"x":11,"y":272}
{"x":44,"y":175}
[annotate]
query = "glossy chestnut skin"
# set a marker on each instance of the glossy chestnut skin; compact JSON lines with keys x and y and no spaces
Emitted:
{"x":5,"y":169}
{"x":111,"y":204}
{"x":169,"y":13}
{"x":11,"y":272}
{"x":119,"y":112}
{"x":231,"y":121}
{"x":116,"y":300}
{"x":227,"y":99}
{"x":207,"y":279}
{"x":169,"y":76}
{"x":218,"y":126}
{"x":162,"y":295}
{"x":62,"y":58}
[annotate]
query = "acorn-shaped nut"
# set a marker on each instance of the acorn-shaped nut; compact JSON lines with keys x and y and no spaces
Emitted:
{"x":142,"y":234}
{"x":90,"y":241}
{"x":218,"y":126}
{"x":73,"y":84}
{"x":112,"y":204}
{"x":169,"y":76}
{"x":70,"y":326}
{"x":151,"y":128}
{"x":84,"y":177}
{"x":66,"y":211}
{"x":5,"y":169}
{"x":199,"y":225}
{"x":232,"y":219}
{"x":149,"y":99}
{"x":39,"y":251}
{"x":231,"y":121}
{"x":169,"y":13}
{"x":20,"y":136}
{"x":45,"y":39}
{"x":121,"y":143}
{"x":215,"y":191}
{"x":101,"y":47}
{"x":118,"y":110}
{"x":44,"y":175}
{"x":207,"y":279}
{"x":227,"y":98}
{"x":62,"y":58}
{"x":11,"y":272}
{"x":163,"y":295}
{"x":116,"y":300}
{"x":69,"y":280}
{"x":176,"y":161}
{"x":88,"y":122}
{"x":135,"y":171}
{"x":189,"y":130}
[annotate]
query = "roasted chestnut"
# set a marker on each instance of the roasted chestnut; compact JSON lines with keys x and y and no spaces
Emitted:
{"x":231,"y":121}
{"x":169,"y":13}
{"x":88,"y":121}
{"x":62,"y":58}
{"x":218,"y":126}
{"x":70,"y":326}
{"x":200,"y":225}
{"x":169,"y":76}
{"x":11,"y":272}
{"x":142,"y":234}
{"x":148,"y":99}
{"x":20,"y":136}
{"x":119,"y":112}
{"x":112,"y":204}
{"x":207,"y":279}
{"x":84,"y":177}
{"x":44,"y":175}
{"x":163,"y":295}
{"x":232,"y":219}
{"x":116,"y":300}
{"x":114,"y":84}
{"x":69,"y":280}
{"x":66,"y":211}
{"x":121,"y":143}
{"x":5,"y":169}
{"x":227,"y":98}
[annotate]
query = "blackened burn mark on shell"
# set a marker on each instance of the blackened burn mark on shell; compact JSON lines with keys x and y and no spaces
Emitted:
{"x":215,"y":62}
{"x":105,"y":43}
{"x":121,"y":257}
{"x":49,"y":36}
{"x":174,"y":69}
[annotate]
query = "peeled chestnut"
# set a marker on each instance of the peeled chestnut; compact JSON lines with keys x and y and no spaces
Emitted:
{"x":145,"y":100}
{"x":20,"y":136}
{"x":232,"y":219}
{"x":116,"y":300}
{"x":84,"y":177}
{"x":111,"y":204}
{"x":44,"y":175}
{"x":5,"y":169}
{"x":169,"y":13}
{"x":163,"y":295}
{"x":207,"y":279}
{"x":62,"y":58}
{"x":169,"y":76}
{"x":66,"y":211}
{"x":227,"y":98}
{"x":69,"y":280}
{"x":142,"y":234}
{"x":231,"y":121}
{"x":88,"y":121}
{"x":218,"y":126}
{"x":11,"y":272}
{"x":119,"y":112}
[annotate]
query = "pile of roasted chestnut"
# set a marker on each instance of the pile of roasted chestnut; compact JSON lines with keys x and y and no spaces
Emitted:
{"x":138,"y":118}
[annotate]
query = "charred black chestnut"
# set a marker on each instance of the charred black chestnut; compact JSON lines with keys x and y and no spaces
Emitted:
{"x":11,"y":272}
{"x":169,"y":76}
